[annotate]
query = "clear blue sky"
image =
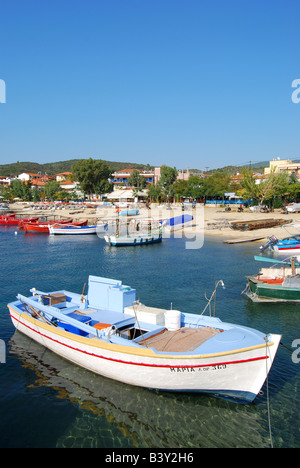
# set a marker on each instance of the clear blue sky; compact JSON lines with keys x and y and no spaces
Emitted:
{"x":187,"y":83}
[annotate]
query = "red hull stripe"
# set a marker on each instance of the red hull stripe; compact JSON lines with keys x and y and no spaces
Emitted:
{"x":140,"y":363}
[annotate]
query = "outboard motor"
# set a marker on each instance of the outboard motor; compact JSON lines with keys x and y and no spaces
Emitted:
{"x":272,"y":241}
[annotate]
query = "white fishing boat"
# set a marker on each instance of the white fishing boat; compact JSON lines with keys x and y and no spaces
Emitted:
{"x":137,"y":232}
{"x":77,"y":230}
{"x":110,"y":333}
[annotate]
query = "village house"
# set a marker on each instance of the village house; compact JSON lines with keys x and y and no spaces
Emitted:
{"x":121,"y":177}
{"x":283,"y":165}
{"x":5,"y":181}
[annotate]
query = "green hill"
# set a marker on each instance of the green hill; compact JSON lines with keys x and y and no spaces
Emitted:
{"x":14,"y":169}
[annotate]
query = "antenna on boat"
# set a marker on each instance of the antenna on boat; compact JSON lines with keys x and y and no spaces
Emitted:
{"x":213,"y":297}
{"x":136,"y":303}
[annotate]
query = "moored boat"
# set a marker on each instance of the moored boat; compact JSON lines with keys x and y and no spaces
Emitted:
{"x":110,"y":333}
{"x":132,"y":212}
{"x":132,"y":240}
{"x":278,"y":283}
{"x":11,"y":220}
{"x":77,"y":229}
{"x":138,"y":232}
{"x":287,"y":245}
{"x":42,"y":228}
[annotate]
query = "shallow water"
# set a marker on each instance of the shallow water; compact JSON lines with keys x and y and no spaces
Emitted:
{"x":46,"y":401}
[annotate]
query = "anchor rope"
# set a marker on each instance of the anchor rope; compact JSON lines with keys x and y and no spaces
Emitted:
{"x":268,"y":396}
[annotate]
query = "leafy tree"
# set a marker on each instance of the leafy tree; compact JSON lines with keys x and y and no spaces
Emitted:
{"x":217,"y":184}
{"x":93,"y":176}
{"x":196,"y":187}
{"x":21,"y":190}
{"x":180,"y":187}
{"x":136,"y":180}
{"x":154,"y":192}
{"x":35,"y":195}
{"x":168,"y":176}
{"x":52,"y":189}
{"x":274,"y":185}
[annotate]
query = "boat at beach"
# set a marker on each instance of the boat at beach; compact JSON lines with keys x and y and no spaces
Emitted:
{"x":11,"y":220}
{"x":177,"y":222}
{"x":258,"y":224}
{"x":43,"y":227}
{"x":110,"y":333}
{"x":287,"y":245}
{"x":131,"y":212}
{"x":138,"y":232}
{"x":75,"y":229}
{"x":278,"y":283}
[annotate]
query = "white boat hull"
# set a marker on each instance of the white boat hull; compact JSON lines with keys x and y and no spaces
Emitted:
{"x":133,"y":240}
{"x":238,"y":374}
{"x":77,"y":230}
{"x":287,"y":250}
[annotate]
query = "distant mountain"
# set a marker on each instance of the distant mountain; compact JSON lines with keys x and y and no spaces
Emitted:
{"x":14,"y":169}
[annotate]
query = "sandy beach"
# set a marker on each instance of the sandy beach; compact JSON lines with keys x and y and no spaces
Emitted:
{"x":208,"y":220}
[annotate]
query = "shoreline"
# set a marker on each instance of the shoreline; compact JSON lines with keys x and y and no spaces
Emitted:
{"x":211,"y":221}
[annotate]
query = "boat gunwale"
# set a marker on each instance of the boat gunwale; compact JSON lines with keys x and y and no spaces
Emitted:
{"x":128,"y":350}
{"x":264,"y":285}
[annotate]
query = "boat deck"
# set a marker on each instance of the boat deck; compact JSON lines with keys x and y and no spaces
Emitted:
{"x":182,"y":340}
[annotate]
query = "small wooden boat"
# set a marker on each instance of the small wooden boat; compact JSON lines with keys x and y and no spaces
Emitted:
{"x":11,"y":220}
{"x":132,"y":240}
{"x":258,"y":224}
{"x":22,"y":221}
{"x":138,"y":232}
{"x":42,"y":228}
{"x":278,"y":283}
{"x":132,"y":212}
{"x":110,"y":333}
{"x":76,"y":229}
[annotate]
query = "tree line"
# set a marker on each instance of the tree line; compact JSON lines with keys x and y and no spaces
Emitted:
{"x":95,"y":177}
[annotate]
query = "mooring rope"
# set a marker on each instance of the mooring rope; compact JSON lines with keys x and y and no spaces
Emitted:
{"x":268,"y":397}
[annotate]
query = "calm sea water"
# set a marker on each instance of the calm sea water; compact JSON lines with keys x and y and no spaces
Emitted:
{"x":46,"y":401}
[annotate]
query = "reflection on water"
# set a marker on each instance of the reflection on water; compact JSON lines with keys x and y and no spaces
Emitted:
{"x":46,"y":401}
{"x":116,"y":415}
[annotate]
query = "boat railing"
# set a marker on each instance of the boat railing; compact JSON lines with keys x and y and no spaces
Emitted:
{"x":51,"y":312}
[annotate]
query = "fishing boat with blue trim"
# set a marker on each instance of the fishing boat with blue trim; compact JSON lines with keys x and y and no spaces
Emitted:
{"x":136,"y":232}
{"x":109,"y":332}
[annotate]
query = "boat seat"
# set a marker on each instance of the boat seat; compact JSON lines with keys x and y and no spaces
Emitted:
{"x":101,"y":326}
